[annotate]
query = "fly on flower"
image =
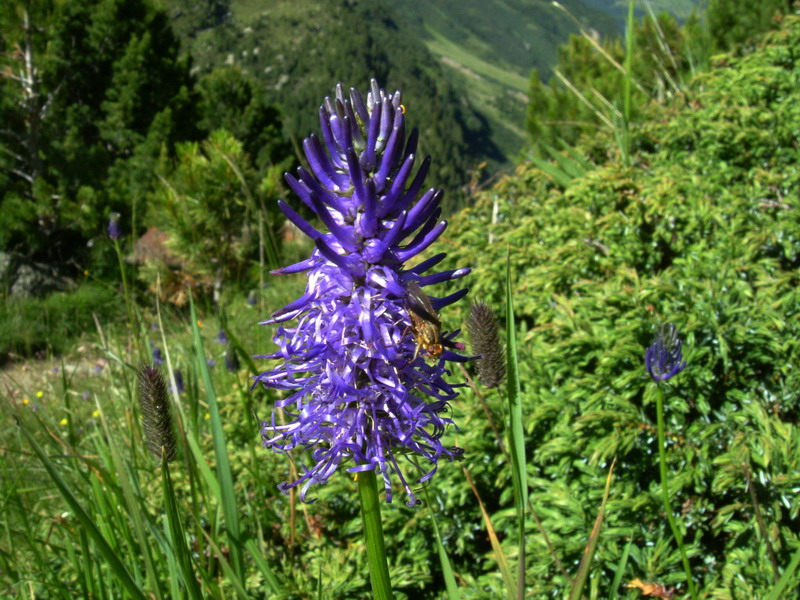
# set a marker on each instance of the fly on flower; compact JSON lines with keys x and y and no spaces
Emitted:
{"x":353,"y":396}
{"x":425,"y":323}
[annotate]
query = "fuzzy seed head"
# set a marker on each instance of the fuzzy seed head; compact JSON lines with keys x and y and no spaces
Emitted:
{"x":485,"y":336}
{"x":156,"y":416}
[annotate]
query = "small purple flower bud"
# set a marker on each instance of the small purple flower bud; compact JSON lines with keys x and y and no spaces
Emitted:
{"x":178,"y":381}
{"x":663,"y":358}
{"x":211,"y":362}
{"x":252,"y":300}
{"x":353,"y":351}
{"x":231,"y":360}
{"x":221,"y":337}
{"x":158,"y":359}
{"x":114,"y":231}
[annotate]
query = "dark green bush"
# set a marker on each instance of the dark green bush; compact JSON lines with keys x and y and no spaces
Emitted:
{"x":702,"y":231}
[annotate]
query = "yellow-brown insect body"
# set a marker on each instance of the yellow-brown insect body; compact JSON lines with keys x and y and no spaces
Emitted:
{"x":425,"y":324}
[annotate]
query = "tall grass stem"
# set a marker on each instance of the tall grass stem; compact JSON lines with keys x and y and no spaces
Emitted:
{"x":627,"y":90}
{"x":224,"y":474}
{"x":516,"y":431}
{"x":447,"y":568}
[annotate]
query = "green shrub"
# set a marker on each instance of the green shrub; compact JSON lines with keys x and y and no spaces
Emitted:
{"x":55,"y":323}
{"x":703,"y":231}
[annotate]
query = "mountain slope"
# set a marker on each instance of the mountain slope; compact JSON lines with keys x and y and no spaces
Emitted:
{"x":467,"y":61}
{"x":299,"y":50}
{"x":489,"y":48}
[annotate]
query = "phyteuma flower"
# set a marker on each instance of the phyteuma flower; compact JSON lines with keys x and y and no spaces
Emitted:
{"x":114,"y":232}
{"x":362,"y":390}
{"x":663,"y":358}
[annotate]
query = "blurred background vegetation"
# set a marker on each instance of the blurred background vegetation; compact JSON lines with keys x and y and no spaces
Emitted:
{"x":631,"y":180}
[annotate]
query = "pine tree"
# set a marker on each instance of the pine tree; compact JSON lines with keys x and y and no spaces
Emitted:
{"x":107,"y":87}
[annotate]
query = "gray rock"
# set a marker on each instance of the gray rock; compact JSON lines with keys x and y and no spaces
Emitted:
{"x":5,"y":266}
{"x":33,"y":279}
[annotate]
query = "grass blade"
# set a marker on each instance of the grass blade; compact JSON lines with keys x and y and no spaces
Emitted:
{"x":786,"y":578}
{"x":130,"y":501}
{"x":516,"y":430}
{"x":117,"y":568}
{"x":182,"y":554}
{"x":261,"y":563}
{"x":447,"y":569}
{"x":558,"y":175}
{"x":623,"y":561}
{"x":223,"y":465}
{"x":591,"y":545}
{"x":500,"y":557}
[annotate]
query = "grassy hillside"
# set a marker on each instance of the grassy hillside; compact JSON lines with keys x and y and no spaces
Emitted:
{"x":489,"y":48}
{"x":618,"y":9}
{"x":483,"y":51}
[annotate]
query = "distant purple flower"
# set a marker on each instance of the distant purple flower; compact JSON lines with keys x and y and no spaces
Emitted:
{"x":361,"y":389}
{"x":178,"y":381}
{"x":158,"y":359}
{"x":231,"y":360}
{"x":114,"y":231}
{"x":86,"y":395}
{"x":98,"y":368}
{"x":211,"y":362}
{"x":252,"y":299}
{"x":663,"y":358}
{"x":221,"y":337}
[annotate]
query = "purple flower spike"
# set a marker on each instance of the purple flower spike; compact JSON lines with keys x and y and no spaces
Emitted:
{"x":663,"y":358}
{"x":178,"y":381}
{"x":114,"y":232}
{"x":354,"y":349}
{"x":231,"y":360}
{"x":158,"y":358}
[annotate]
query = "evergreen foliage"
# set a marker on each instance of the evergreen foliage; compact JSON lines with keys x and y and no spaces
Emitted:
{"x":96,"y":96}
{"x":110,"y":89}
{"x":702,"y":231}
{"x":232,"y":100}
{"x":208,"y":203}
{"x":732,"y":23}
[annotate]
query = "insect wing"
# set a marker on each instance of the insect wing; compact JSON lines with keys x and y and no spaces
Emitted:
{"x":418,"y":302}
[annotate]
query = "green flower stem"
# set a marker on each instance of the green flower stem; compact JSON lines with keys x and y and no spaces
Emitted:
{"x":373,"y":532}
{"x":662,"y":460}
{"x":128,"y":299}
